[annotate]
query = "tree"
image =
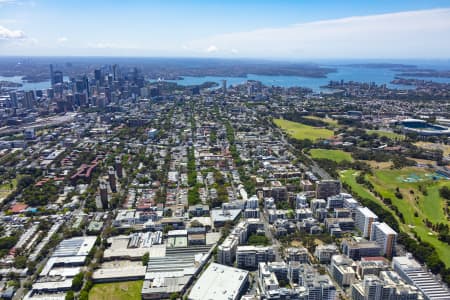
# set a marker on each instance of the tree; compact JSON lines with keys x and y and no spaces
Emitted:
{"x":196,"y":223}
{"x":445,"y":192}
{"x":145,"y":258}
{"x":255,"y":239}
{"x":25,"y":181}
{"x":84,"y":295}
{"x":77,"y":281}
{"x":20,"y":262}
{"x":70,"y":295}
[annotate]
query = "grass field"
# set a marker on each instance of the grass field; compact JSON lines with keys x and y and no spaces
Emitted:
{"x":334,"y":155}
{"x":426,"y":205}
{"x":389,"y":134}
{"x":302,"y":132}
{"x":329,"y":121}
{"x":5,"y":189}
{"x":378,"y":165}
{"x":128,"y":290}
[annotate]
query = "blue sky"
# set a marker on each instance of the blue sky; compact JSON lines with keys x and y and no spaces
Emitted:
{"x":261,"y":29}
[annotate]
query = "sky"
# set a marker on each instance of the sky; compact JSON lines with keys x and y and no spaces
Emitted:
{"x":300,"y":29}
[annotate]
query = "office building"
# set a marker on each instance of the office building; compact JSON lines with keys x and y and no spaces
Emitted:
{"x":355,"y":248}
{"x":224,"y":86}
{"x":58,"y":77}
{"x":248,"y":257}
{"x":327,"y":188}
{"x":385,"y":236}
{"x":13,"y":99}
{"x":342,"y":270}
{"x":28,"y":100}
{"x":52,"y":81}
{"x":364,"y":218}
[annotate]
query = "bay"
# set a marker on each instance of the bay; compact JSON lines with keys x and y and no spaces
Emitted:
{"x":346,"y":73}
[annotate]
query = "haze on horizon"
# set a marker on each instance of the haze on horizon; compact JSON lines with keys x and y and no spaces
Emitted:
{"x":324,"y":29}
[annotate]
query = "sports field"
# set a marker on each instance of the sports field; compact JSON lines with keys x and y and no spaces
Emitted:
{"x":302,"y":132}
{"x":419,"y":199}
{"x":329,"y":121}
{"x":334,"y":155}
{"x":127,"y":290}
{"x":389,"y":134}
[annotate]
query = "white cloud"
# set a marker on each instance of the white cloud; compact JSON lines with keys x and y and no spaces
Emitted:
{"x":62,"y":39}
{"x":422,"y":33}
{"x":19,"y":3}
{"x":8,"y":34}
{"x":4,"y":2}
{"x":212,"y":49}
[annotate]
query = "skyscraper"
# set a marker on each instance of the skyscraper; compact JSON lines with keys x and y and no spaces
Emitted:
{"x":114,"y":67}
{"x":103,"y":194}
{"x":224,"y":86}
{"x":57,"y":77}
{"x":98,"y":76}
{"x":28,"y":100}
{"x":51,"y":75}
{"x":13,"y":99}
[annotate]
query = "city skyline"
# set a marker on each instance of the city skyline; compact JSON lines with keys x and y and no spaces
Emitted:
{"x":263,"y":29}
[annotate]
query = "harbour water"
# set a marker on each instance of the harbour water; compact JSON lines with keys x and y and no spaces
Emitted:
{"x":346,"y":73}
{"x":343,"y":72}
{"x":28,"y":86}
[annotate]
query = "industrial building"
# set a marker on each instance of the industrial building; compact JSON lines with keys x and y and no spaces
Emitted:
{"x":413,"y":273}
{"x":219,"y":282}
{"x":173,"y":272}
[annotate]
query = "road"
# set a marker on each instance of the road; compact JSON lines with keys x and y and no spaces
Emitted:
{"x":275,"y":243}
{"x":312,"y":164}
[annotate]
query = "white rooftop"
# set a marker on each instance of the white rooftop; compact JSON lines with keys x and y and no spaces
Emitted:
{"x":219,"y":282}
{"x":367,"y":212}
{"x":78,"y":246}
{"x":385,"y":228}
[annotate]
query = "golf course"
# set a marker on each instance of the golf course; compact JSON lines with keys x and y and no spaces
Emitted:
{"x":415,"y":193}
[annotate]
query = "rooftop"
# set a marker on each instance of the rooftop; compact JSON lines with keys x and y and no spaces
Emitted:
{"x":219,"y":282}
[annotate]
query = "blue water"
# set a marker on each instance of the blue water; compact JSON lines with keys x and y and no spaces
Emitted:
{"x":346,"y":73}
{"x":28,"y":86}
